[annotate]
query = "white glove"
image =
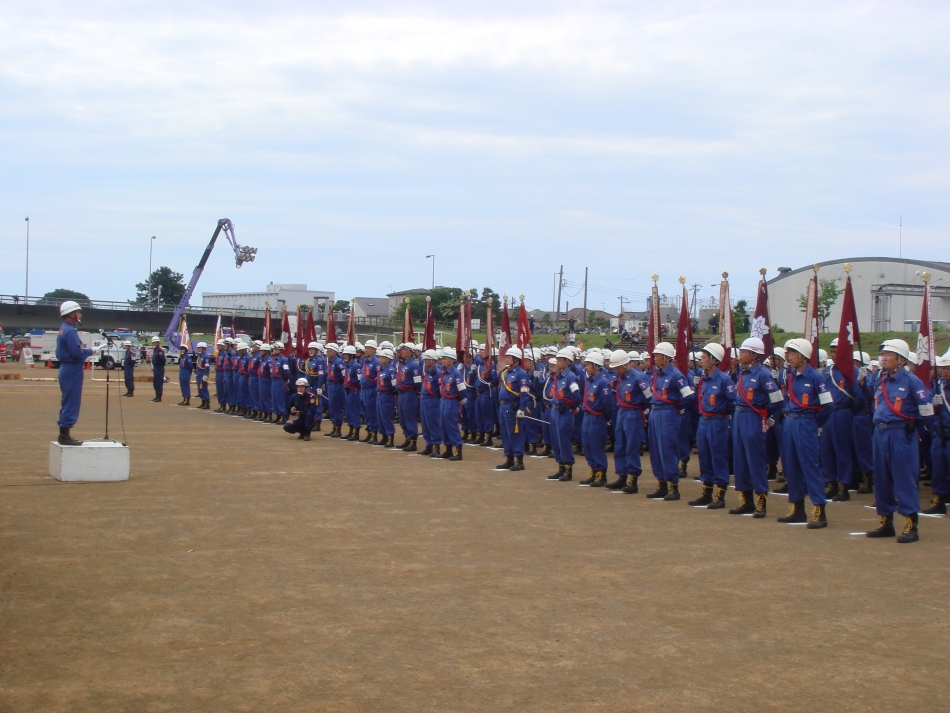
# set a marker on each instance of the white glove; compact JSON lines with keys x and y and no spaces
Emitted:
{"x":938,"y":400}
{"x":696,"y":380}
{"x":775,"y":374}
{"x":319,"y":392}
{"x":863,"y":373}
{"x":520,"y":414}
{"x":819,"y":430}
{"x":770,"y":422}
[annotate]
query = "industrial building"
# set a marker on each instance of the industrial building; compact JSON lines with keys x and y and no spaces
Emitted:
{"x":888,"y":293}
{"x":278,"y":295}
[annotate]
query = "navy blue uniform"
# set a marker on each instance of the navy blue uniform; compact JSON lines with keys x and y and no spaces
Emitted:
{"x":757,"y":396}
{"x":221,"y":377}
{"x":515,"y":393}
{"x":158,"y":369}
{"x":485,"y":411}
{"x":202,"y":372}
{"x":671,"y":393}
{"x":940,"y":442}
{"x":128,"y":369}
{"x":351,"y":388}
{"x":807,"y":406}
{"x":430,"y":405}
{"x":566,"y":401}
{"x":837,"y":435}
{"x":633,"y":396}
{"x":254,"y":381}
{"x":186,"y":366}
{"x":409,"y":383}
{"x":598,"y":399}
{"x":368,"y":373}
{"x":386,"y":390}
{"x":302,"y":410}
{"x":453,"y":391}
{"x":71,"y":357}
{"x":336,"y":392}
{"x":716,"y":401}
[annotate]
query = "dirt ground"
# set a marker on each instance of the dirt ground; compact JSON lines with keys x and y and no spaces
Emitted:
{"x":242,"y":570}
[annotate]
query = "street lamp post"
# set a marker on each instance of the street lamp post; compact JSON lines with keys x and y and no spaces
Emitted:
{"x":150,"y":243}
{"x":26,"y":297}
{"x":433,"y":269}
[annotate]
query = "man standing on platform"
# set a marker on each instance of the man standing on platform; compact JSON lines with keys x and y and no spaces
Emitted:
{"x":71,"y":356}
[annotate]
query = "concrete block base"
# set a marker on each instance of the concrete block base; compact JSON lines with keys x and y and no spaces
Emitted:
{"x":92,"y":462}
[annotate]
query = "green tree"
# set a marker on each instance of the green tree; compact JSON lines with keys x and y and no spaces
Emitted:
{"x":739,"y":317}
{"x":61,"y":293}
{"x":171,"y":282}
{"x":828,"y":294}
{"x":480,"y":305}
{"x":342,"y":306}
{"x":445,"y":304}
{"x":546,"y":320}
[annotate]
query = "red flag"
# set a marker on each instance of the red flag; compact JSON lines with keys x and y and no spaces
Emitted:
{"x":653,"y":327}
{"x":726,"y":336}
{"x":463,"y":334}
{"x":811,"y":318}
{"x":331,"y":325}
{"x":301,"y":335}
{"x":505,"y":341}
{"x":428,"y":338}
{"x":524,"y":328}
{"x":489,"y":332}
{"x":351,"y":326}
{"x":925,"y":337}
{"x":268,"y":335}
{"x":285,"y":332}
{"x":684,"y":336}
{"x":408,"y":335}
{"x":310,"y":335}
{"x":761,"y":323}
{"x":848,"y":335}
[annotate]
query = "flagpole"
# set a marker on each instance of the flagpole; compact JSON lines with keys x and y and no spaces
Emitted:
{"x":847,"y":268}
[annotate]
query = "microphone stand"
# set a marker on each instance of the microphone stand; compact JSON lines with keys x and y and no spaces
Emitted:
{"x":108,"y":371}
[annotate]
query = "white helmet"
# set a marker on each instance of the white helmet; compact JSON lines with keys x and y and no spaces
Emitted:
{"x":514,"y":352}
{"x":734,"y":353}
{"x":715,"y":350}
{"x":386,"y":352}
{"x":359,"y":347}
{"x":448,"y":352}
{"x":155,"y":340}
{"x":228,"y":340}
{"x":302,"y":382}
{"x":779,"y":352}
{"x":371,"y":343}
{"x":634,"y":356}
{"x":219,"y":343}
{"x":537,"y":353}
{"x":619,"y":358}
{"x":349,"y":349}
{"x":68,"y":307}
{"x":385,"y":345}
{"x":859,"y":357}
{"x":605,"y":353}
{"x":666,"y":349}
{"x":912,"y":357}
{"x":430,"y":354}
{"x":566,"y":353}
{"x":202,"y":345}
{"x":321,"y":348}
{"x":266,"y":347}
{"x":943,"y":360}
{"x":241,"y":345}
{"x":410,"y":346}
{"x":822,"y":356}
{"x":754,"y":345}
{"x":595,"y":358}
{"x":257,"y":343}
{"x":313,"y":345}
{"x":279,"y":346}
{"x":802,"y":346}
{"x":334,"y":346}
{"x":126,"y":344}
{"x":834,"y":342}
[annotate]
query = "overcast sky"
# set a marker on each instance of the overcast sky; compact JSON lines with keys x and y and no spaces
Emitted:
{"x":507,"y":138}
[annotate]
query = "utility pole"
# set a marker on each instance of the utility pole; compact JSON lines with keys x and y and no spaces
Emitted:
{"x":26,"y":297}
{"x":900,"y":237}
{"x":585,"y":298}
{"x":621,"y":305}
{"x":560,"y":284}
{"x":695,"y":287}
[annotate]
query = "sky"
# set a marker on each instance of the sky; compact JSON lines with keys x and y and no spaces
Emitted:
{"x":347,"y":141}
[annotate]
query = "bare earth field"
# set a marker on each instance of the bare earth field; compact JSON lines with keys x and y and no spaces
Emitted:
{"x":242,"y":570}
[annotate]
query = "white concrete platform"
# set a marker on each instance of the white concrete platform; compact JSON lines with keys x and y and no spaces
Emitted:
{"x":92,"y":462}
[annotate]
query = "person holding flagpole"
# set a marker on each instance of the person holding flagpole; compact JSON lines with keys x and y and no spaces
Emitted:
{"x":940,"y":442}
{"x":514,"y":395}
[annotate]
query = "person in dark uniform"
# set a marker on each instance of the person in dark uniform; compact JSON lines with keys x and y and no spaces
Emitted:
{"x":186,"y":365}
{"x":202,"y":372}
{"x":128,"y":369}
{"x":71,"y":355}
{"x":303,"y":406}
{"x":158,"y":369}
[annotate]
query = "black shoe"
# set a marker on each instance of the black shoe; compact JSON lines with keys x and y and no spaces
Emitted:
{"x":447,"y":454}
{"x":411,"y":448}
{"x":65,"y":439}
{"x":589,"y":479}
{"x":746,"y":504}
{"x":436,"y":451}
{"x":674,"y":493}
{"x":818,"y":518}
{"x":578,"y":449}
{"x":616,"y":484}
{"x":331,"y":433}
{"x":843,"y":495}
{"x":370,"y":437}
{"x":761,"y":500}
{"x":458,"y":454}
{"x":128,"y":393}
{"x":867,"y":485}
{"x":910,"y":533}
{"x":307,"y":436}
{"x":939,"y":506}
{"x":300,"y":436}
{"x":382,"y":441}
{"x":427,"y":451}
{"x":662,"y":490}
{"x":719,"y":498}
{"x":390,"y":442}
{"x":884,"y":529}
{"x":682,"y":468}
{"x":796,"y":512}
{"x":354,"y":435}
{"x":404,"y":446}
{"x":489,"y":443}
{"x":338,"y":431}
{"x":782,"y":488}
{"x":831,"y":487}
{"x":480,"y":440}
{"x":547,"y":452}
{"x":509,"y":462}
{"x":631,"y":488}
{"x":568,"y":474}
{"x":157,"y":400}
{"x":704,"y":499}
{"x":560,"y":472}
{"x":519,"y":463}
{"x":771,"y":473}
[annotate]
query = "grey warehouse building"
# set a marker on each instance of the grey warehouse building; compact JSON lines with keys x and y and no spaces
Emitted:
{"x":278,"y":295}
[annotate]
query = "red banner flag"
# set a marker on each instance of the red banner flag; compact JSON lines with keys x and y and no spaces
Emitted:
{"x":684,"y":336}
{"x":848,"y":334}
{"x":268,"y":335}
{"x":761,"y":322}
{"x":428,"y":338}
{"x":351,"y":325}
{"x":463,"y":334}
{"x":653,"y":327}
{"x":285,"y":338}
{"x":524,"y":327}
{"x":408,"y":335}
{"x":811,"y":319}
{"x":310,"y":334}
{"x":301,"y":335}
{"x":726,"y":334}
{"x":331,"y":324}
{"x":489,"y":332}
{"x":505,"y":340}
{"x":925,"y":337}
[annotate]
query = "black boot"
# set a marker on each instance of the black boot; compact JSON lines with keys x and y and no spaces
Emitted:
{"x":589,"y":479}
{"x":300,"y":436}
{"x":746,"y":504}
{"x":771,"y":473}
{"x":842,"y":495}
{"x":489,"y":443}
{"x":560,"y":472}
{"x":616,"y":484}
{"x":182,"y":402}
{"x":796,"y":512}
{"x":867,"y":485}
{"x":910,"y":533}
{"x":662,"y":490}
{"x":157,"y":399}
{"x":631,"y":488}
{"x":411,"y":448}
{"x":831,"y":488}
{"x":354,"y":434}
{"x":480,"y":440}
{"x":447,"y":454}
{"x":674,"y":493}
{"x":331,"y":433}
{"x":818,"y":518}
{"x":219,"y":409}
{"x":761,"y":500}
{"x":338,"y":431}
{"x":306,"y":435}
{"x":206,"y":405}
{"x":884,"y":529}
{"x":187,"y":401}
{"x":939,"y":506}
{"x":719,"y":498}
{"x":704,"y":499}
{"x":370,"y":437}
{"x":391,"y":441}
{"x":382,"y":441}
{"x":509,"y":462}
{"x":782,"y":484}
{"x":683,"y":468}
{"x":427,"y":451}
{"x":458,"y":454}
{"x":610,"y":447}
{"x":318,"y":426}
{"x":578,"y":449}
{"x":568,"y":474}
{"x":405,"y":444}
{"x":436,"y":451}
{"x":547,"y":452}
{"x":65,"y":439}
{"x":519,"y":463}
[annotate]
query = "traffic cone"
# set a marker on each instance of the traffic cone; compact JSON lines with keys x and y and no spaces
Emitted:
{"x":49,"y":364}
{"x":87,"y":366}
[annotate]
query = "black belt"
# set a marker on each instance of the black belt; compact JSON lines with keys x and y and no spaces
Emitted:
{"x":892,"y":426}
{"x":800,"y":414}
{"x":714,"y":415}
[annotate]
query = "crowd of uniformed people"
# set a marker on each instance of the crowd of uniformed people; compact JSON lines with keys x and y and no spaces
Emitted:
{"x":770,"y":417}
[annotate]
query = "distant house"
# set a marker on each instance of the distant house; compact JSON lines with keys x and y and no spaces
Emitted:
{"x":371,"y":308}
{"x":396,"y":298}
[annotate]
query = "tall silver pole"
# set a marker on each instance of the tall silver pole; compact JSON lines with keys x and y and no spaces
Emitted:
{"x":26,"y":297}
{"x":149,"y":298}
{"x":433,"y":269}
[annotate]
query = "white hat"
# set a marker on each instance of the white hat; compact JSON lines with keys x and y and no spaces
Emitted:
{"x":822,"y":356}
{"x":371,"y":343}
{"x":715,"y":350}
{"x":634,"y":355}
{"x":257,"y":343}
{"x":552,"y":360}
{"x":334,"y":346}
{"x":321,"y":348}
{"x":279,"y":346}
{"x":266,"y":347}
{"x":494,"y":351}
{"x":228,"y":340}
{"x":875,"y":364}
{"x":912,"y":357}
{"x":595,"y":358}
{"x":385,"y":345}
{"x":410,"y":346}
{"x":802,"y":346}
{"x":126,"y":344}
{"x":779,"y":352}
{"x":514,"y":352}
{"x":202,"y":344}
{"x":302,"y":382}
{"x":834,"y":342}
{"x":386,"y":352}
{"x":219,"y":343}
{"x":155,"y":339}
{"x":753,"y":344}
{"x":859,"y":357}
{"x":313,"y":345}
{"x":349,"y":349}
{"x":605,"y":353}
{"x":448,"y":352}
{"x":566,"y":353}
{"x":359,"y":347}
{"x":241,"y":345}
{"x":666,"y":349}
{"x":430,"y":354}
{"x":69,"y":307}
{"x":619,"y":358}
{"x":943,"y":360}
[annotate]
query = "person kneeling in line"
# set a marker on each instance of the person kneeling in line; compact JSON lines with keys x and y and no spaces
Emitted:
{"x":303,"y":405}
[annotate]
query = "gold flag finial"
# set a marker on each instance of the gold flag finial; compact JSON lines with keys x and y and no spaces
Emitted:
{"x":762,"y":272}
{"x":406,"y":300}
{"x":817,"y":266}
{"x":267,"y":305}
{"x":521,"y":297}
{"x":682,"y":279}
{"x":428,"y":299}
{"x":847,"y":267}
{"x":505,"y":298}
{"x":925,"y":277}
{"x":725,"y":276}
{"x":655,"y":277}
